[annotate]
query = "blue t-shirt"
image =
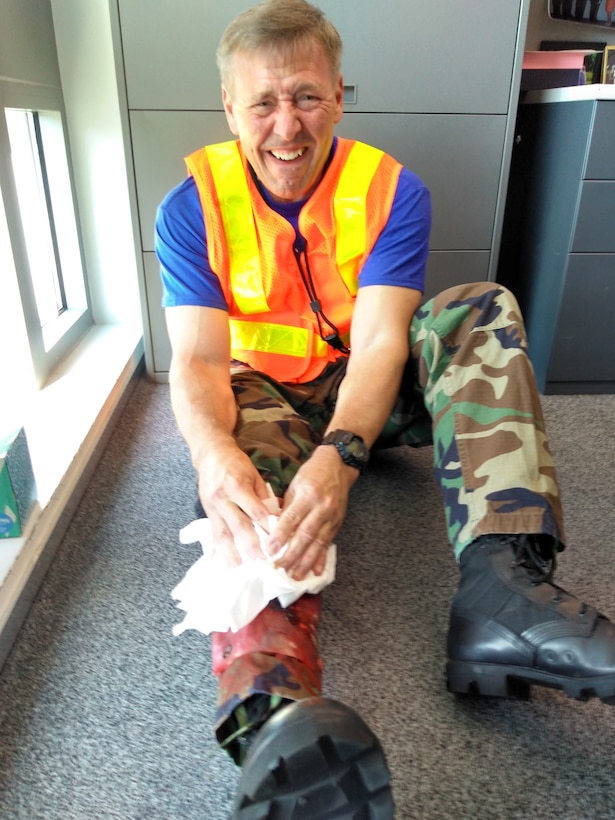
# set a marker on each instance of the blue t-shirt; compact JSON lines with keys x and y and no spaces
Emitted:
{"x":398,"y":257}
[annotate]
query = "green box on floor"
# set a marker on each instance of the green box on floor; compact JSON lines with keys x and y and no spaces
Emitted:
{"x":17,"y":485}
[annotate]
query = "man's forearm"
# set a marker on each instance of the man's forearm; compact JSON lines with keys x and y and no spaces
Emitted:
{"x":368,"y":392}
{"x":231,"y":490}
{"x":380,"y":349}
{"x":204,"y":406}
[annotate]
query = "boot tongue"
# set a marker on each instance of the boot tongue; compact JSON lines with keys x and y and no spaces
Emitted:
{"x":539,"y":568}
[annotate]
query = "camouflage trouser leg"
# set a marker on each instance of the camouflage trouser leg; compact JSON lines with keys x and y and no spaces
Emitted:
{"x":275,"y":656}
{"x":491,"y":455}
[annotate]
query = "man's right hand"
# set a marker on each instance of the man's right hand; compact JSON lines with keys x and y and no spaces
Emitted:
{"x":233,"y":494}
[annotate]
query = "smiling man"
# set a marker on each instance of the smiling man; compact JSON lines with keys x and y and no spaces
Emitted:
{"x":283,"y":107}
{"x":293,"y":265}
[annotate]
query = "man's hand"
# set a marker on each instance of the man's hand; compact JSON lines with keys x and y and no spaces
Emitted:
{"x":314,"y":509}
{"x":233,"y":494}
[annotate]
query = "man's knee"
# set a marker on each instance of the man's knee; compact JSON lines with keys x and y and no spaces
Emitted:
{"x":474,"y":290}
{"x":492,"y":300}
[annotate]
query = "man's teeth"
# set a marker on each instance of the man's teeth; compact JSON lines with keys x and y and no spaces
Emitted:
{"x":288,"y":155}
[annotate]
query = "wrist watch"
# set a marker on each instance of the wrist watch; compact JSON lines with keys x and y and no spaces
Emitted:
{"x":352,"y":449}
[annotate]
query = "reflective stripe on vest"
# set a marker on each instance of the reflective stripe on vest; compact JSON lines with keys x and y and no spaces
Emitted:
{"x":350,"y":207}
{"x":235,"y":206}
{"x":266,"y":337}
{"x":236,"y":209}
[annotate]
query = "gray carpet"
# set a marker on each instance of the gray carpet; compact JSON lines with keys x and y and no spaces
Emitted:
{"x":104,"y":714}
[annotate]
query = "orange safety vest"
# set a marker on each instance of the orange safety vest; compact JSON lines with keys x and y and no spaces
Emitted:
{"x":250,"y":248}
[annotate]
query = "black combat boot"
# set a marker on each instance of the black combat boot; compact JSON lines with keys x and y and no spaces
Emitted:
{"x":512,"y":627}
{"x":314,"y":758}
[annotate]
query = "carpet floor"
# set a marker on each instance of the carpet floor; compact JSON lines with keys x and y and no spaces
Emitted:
{"x":105,"y":714}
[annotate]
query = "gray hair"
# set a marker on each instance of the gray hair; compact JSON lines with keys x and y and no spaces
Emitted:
{"x":278,"y":24}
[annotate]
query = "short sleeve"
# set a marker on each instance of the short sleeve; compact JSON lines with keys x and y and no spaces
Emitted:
{"x":399,"y":256}
{"x":180,"y":243}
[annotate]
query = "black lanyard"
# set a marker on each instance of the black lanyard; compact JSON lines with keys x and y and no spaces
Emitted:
{"x":332,"y":337}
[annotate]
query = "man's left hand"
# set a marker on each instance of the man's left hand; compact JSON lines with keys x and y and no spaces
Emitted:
{"x":313,"y":511}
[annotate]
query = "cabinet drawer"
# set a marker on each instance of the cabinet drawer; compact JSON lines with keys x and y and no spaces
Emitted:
{"x":444,"y":269}
{"x":595,"y":228}
{"x":400,"y":56}
{"x":448,"y":268}
{"x":601,"y":158}
{"x":441,"y":148}
{"x":583,"y":346}
{"x":160,"y":141}
{"x":462,"y":213}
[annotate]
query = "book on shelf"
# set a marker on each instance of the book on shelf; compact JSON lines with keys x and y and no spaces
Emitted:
{"x":593,"y":61}
{"x":570,"y":58}
{"x":567,"y":45}
{"x":535,"y":79}
{"x":556,"y":68}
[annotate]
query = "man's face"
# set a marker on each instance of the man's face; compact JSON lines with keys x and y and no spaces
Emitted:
{"x":283,"y":106}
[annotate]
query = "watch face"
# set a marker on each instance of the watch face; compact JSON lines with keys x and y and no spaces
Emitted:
{"x":356,"y":448}
{"x":351,"y":448}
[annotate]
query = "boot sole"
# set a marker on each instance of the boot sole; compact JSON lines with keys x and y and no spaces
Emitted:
{"x":495,"y":680}
{"x":315,"y":758}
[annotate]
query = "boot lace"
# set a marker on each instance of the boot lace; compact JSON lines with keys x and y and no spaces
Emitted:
{"x":539,"y":569}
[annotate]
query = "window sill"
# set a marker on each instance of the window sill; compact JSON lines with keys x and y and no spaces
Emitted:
{"x":54,"y":331}
{"x":67,"y":421}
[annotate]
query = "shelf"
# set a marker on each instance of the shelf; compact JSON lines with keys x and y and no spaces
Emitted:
{"x":594,"y":91}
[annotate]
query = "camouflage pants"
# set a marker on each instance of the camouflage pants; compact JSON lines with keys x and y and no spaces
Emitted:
{"x":469,"y":389}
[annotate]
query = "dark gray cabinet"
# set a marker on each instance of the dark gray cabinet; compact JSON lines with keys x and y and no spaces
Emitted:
{"x":558,"y":244}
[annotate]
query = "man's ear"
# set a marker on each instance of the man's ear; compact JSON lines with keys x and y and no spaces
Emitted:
{"x":339,"y":99}
{"x":228,"y":110}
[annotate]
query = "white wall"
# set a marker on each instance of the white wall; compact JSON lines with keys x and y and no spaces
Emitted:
{"x":95,"y":122}
{"x":27,"y":48}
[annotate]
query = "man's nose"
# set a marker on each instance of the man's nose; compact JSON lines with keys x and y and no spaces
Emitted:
{"x":287,"y":122}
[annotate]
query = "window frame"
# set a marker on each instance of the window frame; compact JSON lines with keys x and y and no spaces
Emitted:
{"x":50,"y":345}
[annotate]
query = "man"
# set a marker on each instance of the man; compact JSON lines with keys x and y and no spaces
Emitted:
{"x":293,"y":266}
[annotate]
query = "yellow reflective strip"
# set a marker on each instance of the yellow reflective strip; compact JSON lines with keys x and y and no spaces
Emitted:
{"x":350,"y":209}
{"x":321,"y":349}
{"x":265,"y":337}
{"x":236,"y":208}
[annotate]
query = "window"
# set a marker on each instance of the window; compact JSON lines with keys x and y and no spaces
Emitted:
{"x":18,"y":384}
{"x":43,"y":231}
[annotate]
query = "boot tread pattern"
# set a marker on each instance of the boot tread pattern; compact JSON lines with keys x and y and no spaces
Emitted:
{"x":329,"y":779}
